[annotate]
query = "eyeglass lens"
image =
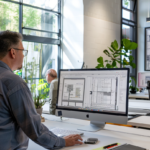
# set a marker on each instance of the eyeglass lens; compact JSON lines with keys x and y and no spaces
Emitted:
{"x":24,"y":53}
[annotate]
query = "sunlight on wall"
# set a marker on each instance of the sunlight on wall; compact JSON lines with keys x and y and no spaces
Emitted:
{"x":73,"y":27}
{"x":67,"y":63}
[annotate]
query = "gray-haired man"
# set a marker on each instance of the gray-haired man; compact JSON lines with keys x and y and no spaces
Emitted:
{"x":51,"y":77}
{"x":18,"y":117}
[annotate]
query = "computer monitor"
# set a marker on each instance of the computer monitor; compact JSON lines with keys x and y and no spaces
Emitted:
{"x":98,"y":95}
{"x":143,"y":77}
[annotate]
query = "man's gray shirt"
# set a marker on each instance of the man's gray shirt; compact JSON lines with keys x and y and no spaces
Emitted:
{"x":18,"y":117}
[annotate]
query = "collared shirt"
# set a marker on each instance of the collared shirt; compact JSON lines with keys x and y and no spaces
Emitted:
{"x":18,"y":117}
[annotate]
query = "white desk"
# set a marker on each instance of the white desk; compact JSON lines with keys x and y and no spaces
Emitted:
{"x":142,"y":121}
{"x":142,"y":107}
{"x":139,"y":95}
{"x":143,"y":104}
{"x":109,"y":134}
{"x":139,"y":106}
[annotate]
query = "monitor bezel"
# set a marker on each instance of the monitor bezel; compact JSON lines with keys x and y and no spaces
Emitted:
{"x":97,"y":112}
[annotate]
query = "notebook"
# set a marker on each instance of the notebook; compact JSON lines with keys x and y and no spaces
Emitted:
{"x":127,"y":147}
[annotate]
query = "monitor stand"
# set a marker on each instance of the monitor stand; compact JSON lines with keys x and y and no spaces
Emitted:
{"x":93,"y":126}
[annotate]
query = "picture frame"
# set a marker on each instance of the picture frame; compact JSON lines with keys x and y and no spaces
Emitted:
{"x":147,"y":49}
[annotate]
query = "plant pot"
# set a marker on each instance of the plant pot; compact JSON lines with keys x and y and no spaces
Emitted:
{"x":133,"y":92}
{"x":39,"y":111}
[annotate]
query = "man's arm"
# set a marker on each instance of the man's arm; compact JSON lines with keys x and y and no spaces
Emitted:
{"x":23,"y":109}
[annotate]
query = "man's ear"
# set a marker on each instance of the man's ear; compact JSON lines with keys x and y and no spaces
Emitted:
{"x":13,"y":53}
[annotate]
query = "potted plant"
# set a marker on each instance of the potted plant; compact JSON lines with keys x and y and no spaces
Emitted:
{"x":115,"y":52}
{"x":41,"y":93}
{"x":38,"y":90}
{"x":39,"y":102}
{"x":133,"y":89}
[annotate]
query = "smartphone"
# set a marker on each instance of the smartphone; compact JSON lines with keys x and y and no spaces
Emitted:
{"x":91,"y":141}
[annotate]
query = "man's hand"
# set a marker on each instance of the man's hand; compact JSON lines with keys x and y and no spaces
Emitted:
{"x":73,"y":139}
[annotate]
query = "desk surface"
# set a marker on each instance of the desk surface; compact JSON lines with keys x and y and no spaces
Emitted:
{"x":109,"y":134}
{"x":142,"y":121}
{"x":139,"y":95}
{"x":142,"y":104}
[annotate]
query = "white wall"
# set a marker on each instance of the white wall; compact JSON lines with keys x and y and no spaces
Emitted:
{"x":72,"y":42}
{"x":89,"y":29}
{"x":101,"y":27}
{"x":142,"y":24}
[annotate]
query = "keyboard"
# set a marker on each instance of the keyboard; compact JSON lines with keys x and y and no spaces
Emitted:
{"x":64,"y":132}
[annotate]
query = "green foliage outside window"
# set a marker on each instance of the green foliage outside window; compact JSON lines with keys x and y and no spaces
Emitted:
{"x":31,"y":18}
{"x":9,"y":17}
{"x":126,"y":3}
{"x":18,"y":72}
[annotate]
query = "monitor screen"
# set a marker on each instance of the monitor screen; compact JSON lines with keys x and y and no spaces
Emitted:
{"x":94,"y":90}
{"x":143,"y":77}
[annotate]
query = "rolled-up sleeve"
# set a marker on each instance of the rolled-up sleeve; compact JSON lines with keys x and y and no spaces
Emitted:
{"x":24,"y":112}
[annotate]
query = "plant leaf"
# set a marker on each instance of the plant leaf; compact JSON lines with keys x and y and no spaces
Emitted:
{"x":98,"y":66}
{"x":116,"y":56}
{"x":114,"y":63}
{"x":107,"y":53}
{"x":108,"y":66}
{"x":128,"y":45}
{"x":131,"y":58}
{"x":132,"y":64}
{"x":100,"y":61}
{"x":114,"y":45}
{"x":111,"y":49}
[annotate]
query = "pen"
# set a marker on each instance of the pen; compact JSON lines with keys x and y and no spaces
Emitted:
{"x":116,"y":146}
{"x":110,"y":145}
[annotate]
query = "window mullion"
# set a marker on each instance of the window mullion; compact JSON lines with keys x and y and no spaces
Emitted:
{"x":20,"y":18}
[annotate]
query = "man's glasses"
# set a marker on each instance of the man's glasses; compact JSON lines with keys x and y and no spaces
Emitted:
{"x":25,"y":52}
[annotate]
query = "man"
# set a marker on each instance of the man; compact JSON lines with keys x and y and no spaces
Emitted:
{"x":51,"y":77}
{"x":18,"y":117}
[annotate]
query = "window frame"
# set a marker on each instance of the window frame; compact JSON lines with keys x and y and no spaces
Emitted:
{"x":43,"y":40}
{"x":133,"y":24}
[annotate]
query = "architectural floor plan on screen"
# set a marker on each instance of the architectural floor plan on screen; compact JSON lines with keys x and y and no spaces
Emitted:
{"x":73,"y":90}
{"x":98,"y":91}
{"x":101,"y":93}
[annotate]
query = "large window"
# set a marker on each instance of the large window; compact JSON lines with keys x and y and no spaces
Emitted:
{"x":129,"y":28}
{"x":9,"y":16}
{"x":40,"y":58}
{"x":39,"y":23}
